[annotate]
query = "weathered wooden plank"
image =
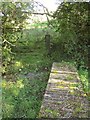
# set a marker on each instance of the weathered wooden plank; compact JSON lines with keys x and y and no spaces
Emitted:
{"x":64,"y":97}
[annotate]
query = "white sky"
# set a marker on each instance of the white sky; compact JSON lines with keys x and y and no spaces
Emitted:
{"x":50,"y":4}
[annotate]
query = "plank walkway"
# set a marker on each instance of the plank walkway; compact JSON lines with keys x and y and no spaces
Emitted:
{"x":64,"y":97}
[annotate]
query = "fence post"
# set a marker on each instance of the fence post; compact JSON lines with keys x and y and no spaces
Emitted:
{"x":47,"y":43}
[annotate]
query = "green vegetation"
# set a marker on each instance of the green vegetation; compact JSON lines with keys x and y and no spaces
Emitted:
{"x":22,"y":95}
{"x":85,"y":81}
{"x":53,"y":113}
{"x":25,"y":63}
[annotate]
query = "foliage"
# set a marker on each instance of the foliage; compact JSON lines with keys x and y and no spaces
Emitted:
{"x":71,"y":23}
{"x":85,"y":81}
{"x":13,"y":21}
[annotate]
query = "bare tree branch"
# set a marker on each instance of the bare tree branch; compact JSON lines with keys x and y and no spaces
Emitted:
{"x":8,"y":43}
{"x":38,"y":13}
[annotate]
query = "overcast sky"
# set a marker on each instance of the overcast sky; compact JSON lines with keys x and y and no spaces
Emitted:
{"x":50,"y":4}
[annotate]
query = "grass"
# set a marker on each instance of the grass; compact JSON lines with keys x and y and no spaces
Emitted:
{"x":85,"y":81}
{"x":51,"y":113}
{"x":22,"y":96}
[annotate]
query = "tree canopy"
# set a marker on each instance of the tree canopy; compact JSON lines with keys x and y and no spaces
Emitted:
{"x":72,"y":23}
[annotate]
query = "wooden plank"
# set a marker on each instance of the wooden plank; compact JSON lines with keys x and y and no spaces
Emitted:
{"x":63,"y":72}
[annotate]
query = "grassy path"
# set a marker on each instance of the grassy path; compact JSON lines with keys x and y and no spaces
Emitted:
{"x":24,"y":86}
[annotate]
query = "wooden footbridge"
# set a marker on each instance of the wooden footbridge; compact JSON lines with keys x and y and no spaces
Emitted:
{"x":64,"y":96}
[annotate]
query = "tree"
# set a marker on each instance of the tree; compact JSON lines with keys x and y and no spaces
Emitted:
{"x":72,"y":24}
{"x":13,"y":21}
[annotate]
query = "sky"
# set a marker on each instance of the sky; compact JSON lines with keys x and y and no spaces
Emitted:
{"x":50,"y":4}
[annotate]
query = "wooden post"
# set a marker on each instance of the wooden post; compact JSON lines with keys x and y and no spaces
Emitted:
{"x":47,"y":43}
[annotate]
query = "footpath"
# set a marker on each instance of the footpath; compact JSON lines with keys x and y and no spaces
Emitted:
{"x":64,"y":96}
